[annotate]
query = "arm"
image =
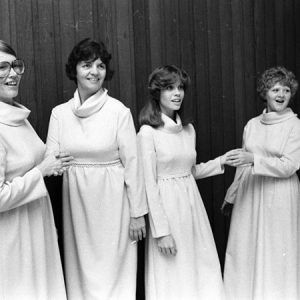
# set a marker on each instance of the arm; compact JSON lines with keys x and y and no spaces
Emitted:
{"x":281,"y":167}
{"x":133,"y":175}
{"x":21,"y":189}
{"x":133,"y":172}
{"x":158,"y":220}
{"x":284,"y":166}
{"x":210,"y":168}
{"x":53,"y":137}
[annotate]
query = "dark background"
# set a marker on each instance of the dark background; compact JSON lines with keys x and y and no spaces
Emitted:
{"x":222,"y":44}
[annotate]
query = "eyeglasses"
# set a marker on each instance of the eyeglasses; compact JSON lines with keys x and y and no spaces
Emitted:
{"x":18,"y":66}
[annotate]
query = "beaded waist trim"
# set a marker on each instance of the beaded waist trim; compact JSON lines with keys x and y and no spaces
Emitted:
{"x":171,"y":176}
{"x":96,"y":164}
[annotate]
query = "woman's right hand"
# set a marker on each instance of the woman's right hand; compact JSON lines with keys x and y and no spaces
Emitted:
{"x":55,"y":164}
{"x":226,"y":208}
{"x":167,"y":245}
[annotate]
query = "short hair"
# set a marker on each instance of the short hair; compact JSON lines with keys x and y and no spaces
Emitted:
{"x":159,"y":80}
{"x":6,"y":48}
{"x":276,"y":75}
{"x":88,"y":49}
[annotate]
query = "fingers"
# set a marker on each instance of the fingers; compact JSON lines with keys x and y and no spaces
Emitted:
{"x":144,"y":232}
{"x":167,"y":251}
{"x":66,"y":159}
{"x":137,"y":234}
{"x":167,"y":246}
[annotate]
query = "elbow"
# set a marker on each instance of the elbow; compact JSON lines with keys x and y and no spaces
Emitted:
{"x":288,"y":170}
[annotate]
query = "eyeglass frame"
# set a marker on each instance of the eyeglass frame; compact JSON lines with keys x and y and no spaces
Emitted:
{"x":12,"y":65}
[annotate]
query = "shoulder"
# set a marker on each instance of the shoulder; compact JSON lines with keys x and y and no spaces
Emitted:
{"x":62,"y":108}
{"x":189,"y":128}
{"x":146,"y":130}
{"x":254,"y":120}
{"x":295,"y":124}
{"x":116,"y":106}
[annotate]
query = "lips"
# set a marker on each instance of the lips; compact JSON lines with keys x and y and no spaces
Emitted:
{"x":11,"y":83}
{"x":93,"y":79}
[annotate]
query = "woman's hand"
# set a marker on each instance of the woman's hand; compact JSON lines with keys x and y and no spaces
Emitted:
{"x":239,"y":157}
{"x":137,"y":228}
{"x":55,"y":164}
{"x":226,"y":209}
{"x":167,"y":245}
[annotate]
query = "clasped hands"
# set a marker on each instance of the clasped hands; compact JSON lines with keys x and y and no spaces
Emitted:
{"x":55,"y":164}
{"x":237,"y":157}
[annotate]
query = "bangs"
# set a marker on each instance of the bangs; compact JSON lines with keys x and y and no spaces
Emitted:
{"x":89,"y":56}
{"x":170,"y":79}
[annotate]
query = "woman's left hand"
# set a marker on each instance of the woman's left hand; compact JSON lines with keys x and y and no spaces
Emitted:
{"x":137,"y":228}
{"x":239,"y":157}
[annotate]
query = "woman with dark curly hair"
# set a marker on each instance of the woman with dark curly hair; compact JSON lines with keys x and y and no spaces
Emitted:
{"x":262,"y":257}
{"x":103,"y":199}
{"x":181,"y":261}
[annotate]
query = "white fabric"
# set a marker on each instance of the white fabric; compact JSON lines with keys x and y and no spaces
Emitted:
{"x":101,"y":190}
{"x":30,"y":266}
{"x":175,"y":207}
{"x":262,"y":257}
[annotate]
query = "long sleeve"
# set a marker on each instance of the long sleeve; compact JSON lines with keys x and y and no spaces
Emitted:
{"x":285,"y":165}
{"x":238,"y":179}
{"x":210,"y":168}
{"x":158,"y":220}
{"x":21,"y":189}
{"x":52,"y":137}
{"x":127,"y":142}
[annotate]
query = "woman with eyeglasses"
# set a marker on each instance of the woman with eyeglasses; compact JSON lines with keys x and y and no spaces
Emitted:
{"x":30,"y":266}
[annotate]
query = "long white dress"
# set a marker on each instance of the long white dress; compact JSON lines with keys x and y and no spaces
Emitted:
{"x":101,"y":191}
{"x":175,"y":207}
{"x":30,"y":266}
{"x":262,"y":256}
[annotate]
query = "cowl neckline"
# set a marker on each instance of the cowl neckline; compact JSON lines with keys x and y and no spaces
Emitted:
{"x":90,"y":106}
{"x":13,"y":115}
{"x":270,"y":118}
{"x":169,"y":125}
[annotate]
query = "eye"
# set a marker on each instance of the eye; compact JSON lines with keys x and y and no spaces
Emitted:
{"x":181,"y":87}
{"x":169,"y":88}
{"x":4,"y":65}
{"x":101,"y":66}
{"x":287,"y":90}
{"x":86,"y":65}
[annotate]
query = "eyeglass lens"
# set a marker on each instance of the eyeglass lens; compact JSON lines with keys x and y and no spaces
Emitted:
{"x":18,"y":66}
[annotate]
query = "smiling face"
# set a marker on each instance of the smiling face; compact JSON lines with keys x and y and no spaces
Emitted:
{"x":9,"y":85}
{"x":171,"y":99}
{"x":90,"y":76}
{"x":278,"y":97}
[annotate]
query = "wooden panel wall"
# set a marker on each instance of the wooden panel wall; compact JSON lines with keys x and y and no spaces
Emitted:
{"x":223,"y":44}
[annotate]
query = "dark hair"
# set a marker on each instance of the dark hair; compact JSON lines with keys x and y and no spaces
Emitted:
{"x":159,"y":80}
{"x":6,"y":48}
{"x":276,"y":75}
{"x":88,"y":49}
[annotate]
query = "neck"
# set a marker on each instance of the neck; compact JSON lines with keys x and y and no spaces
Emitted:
{"x":84,"y":96}
{"x":9,"y":101}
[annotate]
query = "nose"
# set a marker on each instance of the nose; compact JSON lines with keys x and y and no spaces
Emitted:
{"x":176,"y":91}
{"x":12,"y":72}
{"x":94,"y":69}
{"x":281,"y":93}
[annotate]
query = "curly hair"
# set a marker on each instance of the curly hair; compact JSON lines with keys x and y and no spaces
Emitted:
{"x":159,"y":80}
{"x":276,"y":75}
{"x":88,"y":49}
